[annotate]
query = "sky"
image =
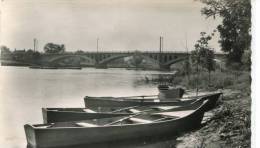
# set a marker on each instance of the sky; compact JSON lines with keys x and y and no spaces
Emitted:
{"x":120,"y":25}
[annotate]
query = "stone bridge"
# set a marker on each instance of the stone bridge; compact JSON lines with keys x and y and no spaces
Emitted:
{"x":101,"y":59}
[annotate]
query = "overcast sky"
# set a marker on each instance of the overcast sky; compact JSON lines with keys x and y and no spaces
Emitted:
{"x":119,"y":24}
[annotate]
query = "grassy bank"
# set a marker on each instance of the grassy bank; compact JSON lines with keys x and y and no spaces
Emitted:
{"x":218,"y":80}
{"x":230,"y":122}
{"x":230,"y":125}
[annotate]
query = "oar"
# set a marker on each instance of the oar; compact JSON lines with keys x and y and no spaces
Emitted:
{"x":125,"y":118}
{"x":122,"y":109}
{"x":122,"y":119}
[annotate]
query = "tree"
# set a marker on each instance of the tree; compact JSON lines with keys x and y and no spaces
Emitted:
{"x":235,"y":30}
{"x":29,"y":52}
{"x":5,"y":50}
{"x":203,"y":55}
{"x":79,"y":52}
{"x":54,"y":48}
{"x":209,"y":62}
{"x":136,"y":59}
{"x":187,"y":68}
{"x":62,"y":48}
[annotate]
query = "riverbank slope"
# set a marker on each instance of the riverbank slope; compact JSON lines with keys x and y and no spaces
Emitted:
{"x":230,"y":124}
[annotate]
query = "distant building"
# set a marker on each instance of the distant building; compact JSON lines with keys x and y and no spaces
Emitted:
{"x":19,"y":51}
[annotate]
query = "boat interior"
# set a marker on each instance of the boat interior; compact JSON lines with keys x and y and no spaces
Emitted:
{"x":128,"y":110}
{"x":85,"y":110}
{"x":153,"y":98}
{"x":138,"y":118}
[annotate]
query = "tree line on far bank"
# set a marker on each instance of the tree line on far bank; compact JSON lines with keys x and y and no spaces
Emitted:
{"x":50,"y":48}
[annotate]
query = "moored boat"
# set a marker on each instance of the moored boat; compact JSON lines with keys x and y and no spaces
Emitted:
{"x":43,"y":67}
{"x":166,"y":92}
{"x":56,"y":67}
{"x":95,"y":102}
{"x":70,"y":67}
{"x":51,"y":115}
{"x":116,"y":128}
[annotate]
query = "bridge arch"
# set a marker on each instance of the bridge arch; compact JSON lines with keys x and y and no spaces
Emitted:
{"x":173,"y":61}
{"x":53,"y":60}
{"x":167,"y":60}
{"x":149,"y":58}
{"x":107,"y":60}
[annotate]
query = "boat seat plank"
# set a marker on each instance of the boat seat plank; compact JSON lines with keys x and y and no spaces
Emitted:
{"x":134,"y":110}
{"x":166,"y":107}
{"x":179,"y":114}
{"x":123,"y":109}
{"x":122,"y":119}
{"x":84,"y":124}
{"x":89,"y":111}
{"x":139,"y":120}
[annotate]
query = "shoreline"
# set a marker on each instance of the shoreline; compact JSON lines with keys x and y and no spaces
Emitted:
{"x":228,"y":127}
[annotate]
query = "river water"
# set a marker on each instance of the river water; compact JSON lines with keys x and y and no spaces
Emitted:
{"x":24,"y":91}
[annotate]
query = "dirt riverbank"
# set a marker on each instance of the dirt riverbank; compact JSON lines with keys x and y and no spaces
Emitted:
{"x":229,"y":125}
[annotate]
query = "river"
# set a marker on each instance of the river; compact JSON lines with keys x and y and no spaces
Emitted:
{"x":24,"y":91}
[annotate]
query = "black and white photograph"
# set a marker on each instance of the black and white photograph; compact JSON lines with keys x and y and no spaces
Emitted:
{"x":127,"y":74}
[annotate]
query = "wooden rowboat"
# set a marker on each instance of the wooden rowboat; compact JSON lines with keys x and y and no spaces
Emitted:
{"x":170,"y":92}
{"x":116,"y":128}
{"x":51,"y":115}
{"x":95,"y":102}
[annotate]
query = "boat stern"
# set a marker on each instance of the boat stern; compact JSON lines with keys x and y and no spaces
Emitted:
{"x":212,"y":101}
{"x":30,"y":135}
{"x":44,"y":115}
{"x":170,"y":93}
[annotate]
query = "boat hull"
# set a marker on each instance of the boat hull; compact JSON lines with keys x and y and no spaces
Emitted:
{"x":72,"y":136}
{"x":212,"y":101}
{"x":171,"y":93}
{"x":50,"y":116}
{"x":95,"y":102}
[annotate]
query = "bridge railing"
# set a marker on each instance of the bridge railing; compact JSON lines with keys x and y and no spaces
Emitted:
{"x":116,"y":52}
